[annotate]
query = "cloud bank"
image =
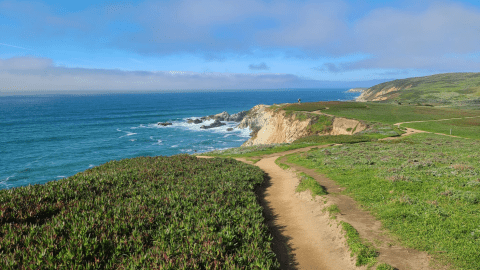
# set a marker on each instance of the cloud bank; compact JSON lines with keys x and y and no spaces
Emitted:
{"x":30,"y":74}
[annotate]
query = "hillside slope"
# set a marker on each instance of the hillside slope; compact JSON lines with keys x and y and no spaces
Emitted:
{"x":447,"y":88}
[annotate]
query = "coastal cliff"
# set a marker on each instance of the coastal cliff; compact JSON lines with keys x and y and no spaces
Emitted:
{"x":270,"y":125}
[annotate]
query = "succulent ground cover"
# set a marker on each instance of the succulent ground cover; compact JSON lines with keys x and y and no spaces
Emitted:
{"x":175,"y":212}
{"x":425,"y":188}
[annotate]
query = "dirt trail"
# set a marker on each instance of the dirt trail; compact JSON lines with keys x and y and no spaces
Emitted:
{"x":306,"y":238}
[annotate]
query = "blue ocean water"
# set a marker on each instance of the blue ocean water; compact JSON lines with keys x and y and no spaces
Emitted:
{"x":50,"y":137}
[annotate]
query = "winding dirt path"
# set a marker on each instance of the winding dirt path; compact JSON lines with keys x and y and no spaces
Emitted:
{"x":305,"y":237}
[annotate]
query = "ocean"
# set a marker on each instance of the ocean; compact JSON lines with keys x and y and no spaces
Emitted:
{"x":50,"y":137}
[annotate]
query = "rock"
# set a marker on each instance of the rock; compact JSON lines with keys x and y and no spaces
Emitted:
{"x":237,"y":117}
{"x":164,"y":124}
{"x":223,"y":116}
{"x":217,"y":123}
{"x":229,"y":129}
{"x":194,"y":121}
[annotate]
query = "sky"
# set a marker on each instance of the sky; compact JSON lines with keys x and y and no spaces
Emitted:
{"x":221,"y":44}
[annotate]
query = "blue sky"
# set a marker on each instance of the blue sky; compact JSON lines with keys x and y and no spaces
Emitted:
{"x":221,"y":44}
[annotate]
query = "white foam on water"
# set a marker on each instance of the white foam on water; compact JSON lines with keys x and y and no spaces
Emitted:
{"x":159,"y":142}
{"x":91,"y":166}
{"x":119,"y":129}
{"x":174,"y":146}
{"x":132,"y":140}
{"x":61,"y":176}
{"x":128,"y":134}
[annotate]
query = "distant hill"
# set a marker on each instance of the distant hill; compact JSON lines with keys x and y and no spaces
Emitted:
{"x":447,"y":88}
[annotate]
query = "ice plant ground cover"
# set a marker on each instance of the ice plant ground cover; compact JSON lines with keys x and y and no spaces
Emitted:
{"x":425,"y":188}
{"x":175,"y":212}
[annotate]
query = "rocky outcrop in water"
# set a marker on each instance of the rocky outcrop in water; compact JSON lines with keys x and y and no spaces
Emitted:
{"x":164,"y":124}
{"x":217,"y":123}
{"x":225,"y":116}
{"x":194,"y":121}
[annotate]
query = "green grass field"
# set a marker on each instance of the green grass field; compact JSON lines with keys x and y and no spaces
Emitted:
{"x":447,"y":88}
{"x":466,"y":128}
{"x":425,"y":188}
{"x":266,"y":149}
{"x":381,"y":112}
{"x":392,"y":113}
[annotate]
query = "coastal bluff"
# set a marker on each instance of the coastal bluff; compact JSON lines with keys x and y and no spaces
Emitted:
{"x":270,"y":126}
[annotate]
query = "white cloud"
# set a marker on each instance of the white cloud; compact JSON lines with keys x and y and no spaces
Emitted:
{"x":401,"y":39}
{"x":34,"y":74}
{"x":25,"y":63}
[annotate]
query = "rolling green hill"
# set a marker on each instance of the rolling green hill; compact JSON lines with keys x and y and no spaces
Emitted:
{"x":462,"y":89}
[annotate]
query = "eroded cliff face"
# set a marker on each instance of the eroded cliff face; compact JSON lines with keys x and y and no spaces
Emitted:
{"x":344,"y":126}
{"x":385,"y":93}
{"x":269,"y":126}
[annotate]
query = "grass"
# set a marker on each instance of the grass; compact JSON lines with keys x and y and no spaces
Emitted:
{"x":333,"y":210}
{"x":392,"y":113}
{"x":253,"y":160}
{"x":260,"y":150}
{"x":425,"y":188}
{"x":175,"y":212}
{"x":467,"y":128}
{"x":328,"y":139}
{"x":366,"y":254}
{"x":255,"y":150}
{"x":309,"y":183}
{"x":280,"y":164}
{"x":384,"y":266}
{"x":444,"y":88}
{"x":323,"y":105}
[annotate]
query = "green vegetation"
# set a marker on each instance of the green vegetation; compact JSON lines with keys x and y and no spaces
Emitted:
{"x":266,"y":149}
{"x":467,"y":128}
{"x":384,"y":266}
{"x":425,"y":188}
{"x":307,"y":182}
{"x":320,"y":124}
{"x":280,"y":164}
{"x":333,"y":210}
{"x":392,"y":113}
{"x":328,"y":139}
{"x":448,"y":88}
{"x":255,"y":150}
{"x":175,"y":212}
{"x":253,"y":160}
{"x":323,"y":105}
{"x":366,"y":254}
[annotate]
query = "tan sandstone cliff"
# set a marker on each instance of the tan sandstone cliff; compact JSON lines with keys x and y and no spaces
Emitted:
{"x":269,"y":126}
